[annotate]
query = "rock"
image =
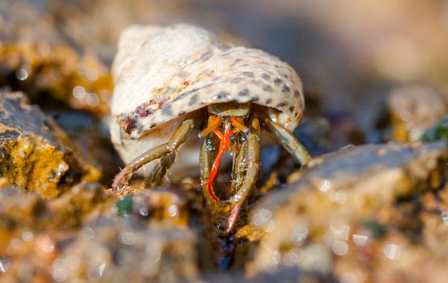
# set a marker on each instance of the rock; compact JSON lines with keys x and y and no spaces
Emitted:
{"x":414,"y":109}
{"x":18,"y":211}
{"x":285,"y":275}
{"x":56,"y":76}
{"x":115,"y":250}
{"x":78,"y":236}
{"x":36,"y":154}
{"x":92,"y":135}
{"x":313,"y":220}
{"x":26,"y":213}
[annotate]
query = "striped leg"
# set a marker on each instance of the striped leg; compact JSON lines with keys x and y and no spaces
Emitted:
{"x":289,"y":142}
{"x":178,"y":138}
{"x":251,"y":176}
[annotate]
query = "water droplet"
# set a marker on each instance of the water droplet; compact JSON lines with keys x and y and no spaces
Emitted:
{"x":153,"y":253}
{"x":262,"y":217}
{"x":173,"y":210}
{"x":338,"y":196}
{"x":27,"y":236}
{"x":79,"y":92}
{"x":292,"y":257}
{"x":391,"y":251}
{"x":275,"y":257}
{"x":326,"y":185}
{"x":339,"y":247}
{"x":59,"y":274}
{"x":317,"y":258}
{"x":270,"y":227}
{"x":127,"y":238}
{"x":360,"y":240}
{"x":299,"y":235}
{"x":143,"y":211}
{"x":22,"y":74}
{"x":5,"y":263}
{"x":101,"y":269}
{"x":92,"y":74}
{"x":444,"y":217}
{"x":72,"y":262}
{"x":92,"y":99}
{"x":342,"y":232}
{"x":15,"y":244}
{"x":59,"y":263}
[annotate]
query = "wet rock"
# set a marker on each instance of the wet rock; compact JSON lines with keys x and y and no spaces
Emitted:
{"x":92,"y":135}
{"x":36,"y":154}
{"x":22,"y":212}
{"x":76,"y":207}
{"x":56,"y":76}
{"x":414,"y":109}
{"x":312,"y":222}
{"x":78,"y":236}
{"x":114,"y":250}
{"x":18,"y":210}
{"x":284,"y":275}
{"x":169,"y":205}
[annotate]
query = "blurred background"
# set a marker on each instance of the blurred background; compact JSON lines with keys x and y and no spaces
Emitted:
{"x":373,"y":71}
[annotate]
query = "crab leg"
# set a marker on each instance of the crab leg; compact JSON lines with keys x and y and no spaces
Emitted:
{"x":289,"y":142}
{"x":179,"y":136}
{"x":239,"y":167}
{"x":253,"y":168}
{"x":155,"y":178}
{"x":237,"y":124}
{"x":213,"y":123}
{"x":207,"y":154}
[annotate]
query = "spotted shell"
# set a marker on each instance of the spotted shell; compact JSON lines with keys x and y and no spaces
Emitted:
{"x":161,"y":73}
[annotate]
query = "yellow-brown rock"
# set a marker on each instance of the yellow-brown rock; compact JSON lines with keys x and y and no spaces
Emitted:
{"x":35,"y":153}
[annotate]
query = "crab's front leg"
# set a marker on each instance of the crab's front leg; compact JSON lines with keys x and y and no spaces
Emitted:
{"x":252,"y":166}
{"x":178,"y":138}
{"x":289,"y":142}
{"x":207,"y":154}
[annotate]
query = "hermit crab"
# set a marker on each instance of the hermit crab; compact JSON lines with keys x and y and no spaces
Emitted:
{"x":173,"y":81}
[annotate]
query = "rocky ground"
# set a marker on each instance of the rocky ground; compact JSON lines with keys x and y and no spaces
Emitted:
{"x":371,"y":207}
